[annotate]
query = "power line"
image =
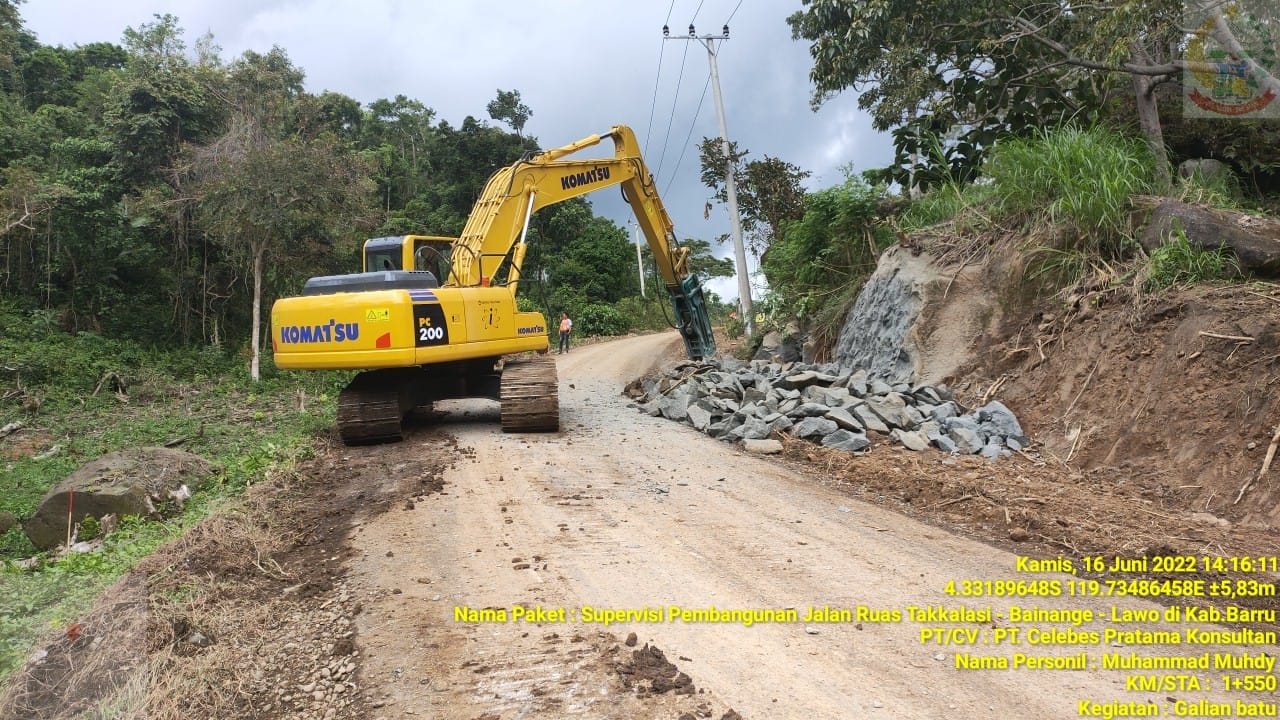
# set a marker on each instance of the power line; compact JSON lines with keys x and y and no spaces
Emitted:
{"x":653,"y":107}
{"x":692,"y":124}
{"x":735,"y":12}
{"x":656,"y":80}
{"x":674,"y":100}
{"x":697,"y":112}
{"x":695,"y":12}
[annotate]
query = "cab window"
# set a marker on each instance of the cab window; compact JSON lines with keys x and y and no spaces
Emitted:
{"x":379,"y":260}
{"x":433,"y":256}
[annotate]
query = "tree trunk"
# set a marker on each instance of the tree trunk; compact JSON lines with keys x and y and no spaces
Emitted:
{"x":1149,"y":121}
{"x":258,"y":250}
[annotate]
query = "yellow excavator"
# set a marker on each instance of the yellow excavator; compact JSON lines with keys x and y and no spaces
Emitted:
{"x":432,"y":318}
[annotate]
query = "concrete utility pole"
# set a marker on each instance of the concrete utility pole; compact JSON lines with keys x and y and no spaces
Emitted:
{"x":731,"y":189}
{"x":635,"y":233}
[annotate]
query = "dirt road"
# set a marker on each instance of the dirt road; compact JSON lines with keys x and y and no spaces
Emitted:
{"x":623,"y":511}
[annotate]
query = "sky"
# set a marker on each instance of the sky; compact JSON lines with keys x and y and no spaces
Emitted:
{"x":582,"y":66}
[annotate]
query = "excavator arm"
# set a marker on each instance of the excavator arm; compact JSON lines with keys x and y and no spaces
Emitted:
{"x":495,"y":232}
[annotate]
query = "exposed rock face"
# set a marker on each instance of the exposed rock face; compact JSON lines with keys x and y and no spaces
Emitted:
{"x":1207,"y":168}
{"x":875,"y":334}
{"x":1255,"y":241}
{"x":824,"y":404}
{"x":129,"y":482}
{"x":780,"y":346}
{"x":915,"y":321}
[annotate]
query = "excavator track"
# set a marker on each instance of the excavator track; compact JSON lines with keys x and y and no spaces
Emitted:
{"x":530,"y":396}
{"x":371,"y":410}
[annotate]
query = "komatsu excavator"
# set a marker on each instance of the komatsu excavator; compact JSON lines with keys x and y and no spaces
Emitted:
{"x":432,"y":318}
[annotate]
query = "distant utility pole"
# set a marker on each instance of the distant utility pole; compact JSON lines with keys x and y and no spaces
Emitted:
{"x":731,"y":189}
{"x":635,"y":233}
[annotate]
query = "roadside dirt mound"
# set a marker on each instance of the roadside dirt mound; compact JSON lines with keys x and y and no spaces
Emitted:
{"x":648,"y":670}
{"x":1171,"y":397}
{"x":246,"y":616}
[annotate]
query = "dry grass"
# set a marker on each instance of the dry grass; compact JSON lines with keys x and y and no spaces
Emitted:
{"x":139,"y":652}
{"x":96,"y":668}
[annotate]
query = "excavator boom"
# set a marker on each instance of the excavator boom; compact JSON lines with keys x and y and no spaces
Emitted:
{"x":499,"y":222}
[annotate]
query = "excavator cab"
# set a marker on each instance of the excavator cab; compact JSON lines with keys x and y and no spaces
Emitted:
{"x":432,"y":255}
{"x":419,"y":253}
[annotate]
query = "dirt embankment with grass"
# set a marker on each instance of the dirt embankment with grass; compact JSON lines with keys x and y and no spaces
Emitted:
{"x":1151,"y":413}
{"x":1156,"y":370}
{"x":69,"y":399}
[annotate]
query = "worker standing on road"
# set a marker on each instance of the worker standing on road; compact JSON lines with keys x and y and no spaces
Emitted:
{"x":565,"y":326}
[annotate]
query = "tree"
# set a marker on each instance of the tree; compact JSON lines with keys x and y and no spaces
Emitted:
{"x":584,"y":258}
{"x":265,"y":194}
{"x":400,"y":142}
{"x":769,"y":190}
{"x":981,"y":68}
{"x":265,"y":199}
{"x":507,"y":108}
{"x":704,"y":261}
{"x":161,"y":102}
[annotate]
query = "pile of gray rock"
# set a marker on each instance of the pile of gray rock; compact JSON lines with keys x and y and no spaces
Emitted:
{"x":824,"y":403}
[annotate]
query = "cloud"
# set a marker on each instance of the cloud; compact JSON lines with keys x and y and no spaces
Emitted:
{"x":581,"y":65}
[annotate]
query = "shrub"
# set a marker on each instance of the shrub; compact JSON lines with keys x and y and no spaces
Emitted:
{"x":836,"y":242}
{"x":734,"y":327}
{"x":649,"y":313}
{"x":599,"y":319}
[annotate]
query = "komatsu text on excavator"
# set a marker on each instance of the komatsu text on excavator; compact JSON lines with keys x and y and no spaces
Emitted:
{"x":432,"y":318}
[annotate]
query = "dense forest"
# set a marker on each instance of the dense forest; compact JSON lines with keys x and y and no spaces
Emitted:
{"x":146,"y":187}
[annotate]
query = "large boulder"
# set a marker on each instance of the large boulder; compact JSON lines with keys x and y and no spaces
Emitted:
{"x":846,"y":441}
{"x":136,"y":481}
{"x":1255,"y":241}
{"x":1206,"y":168}
{"x":781,"y":347}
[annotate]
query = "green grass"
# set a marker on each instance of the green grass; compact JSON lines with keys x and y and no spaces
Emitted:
{"x":1221,"y":191}
{"x":1078,"y":181}
{"x":942,"y":204}
{"x":247,"y":429}
{"x":1178,"y":262}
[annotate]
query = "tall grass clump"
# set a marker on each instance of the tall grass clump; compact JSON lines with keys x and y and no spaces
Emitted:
{"x":1220,"y":190}
{"x":1179,"y":261}
{"x":1076,"y":181}
{"x":944,"y":203}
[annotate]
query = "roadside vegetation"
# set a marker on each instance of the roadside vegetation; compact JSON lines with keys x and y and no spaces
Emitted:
{"x":80,"y":396}
{"x":1072,"y":199}
{"x":1042,"y":131}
